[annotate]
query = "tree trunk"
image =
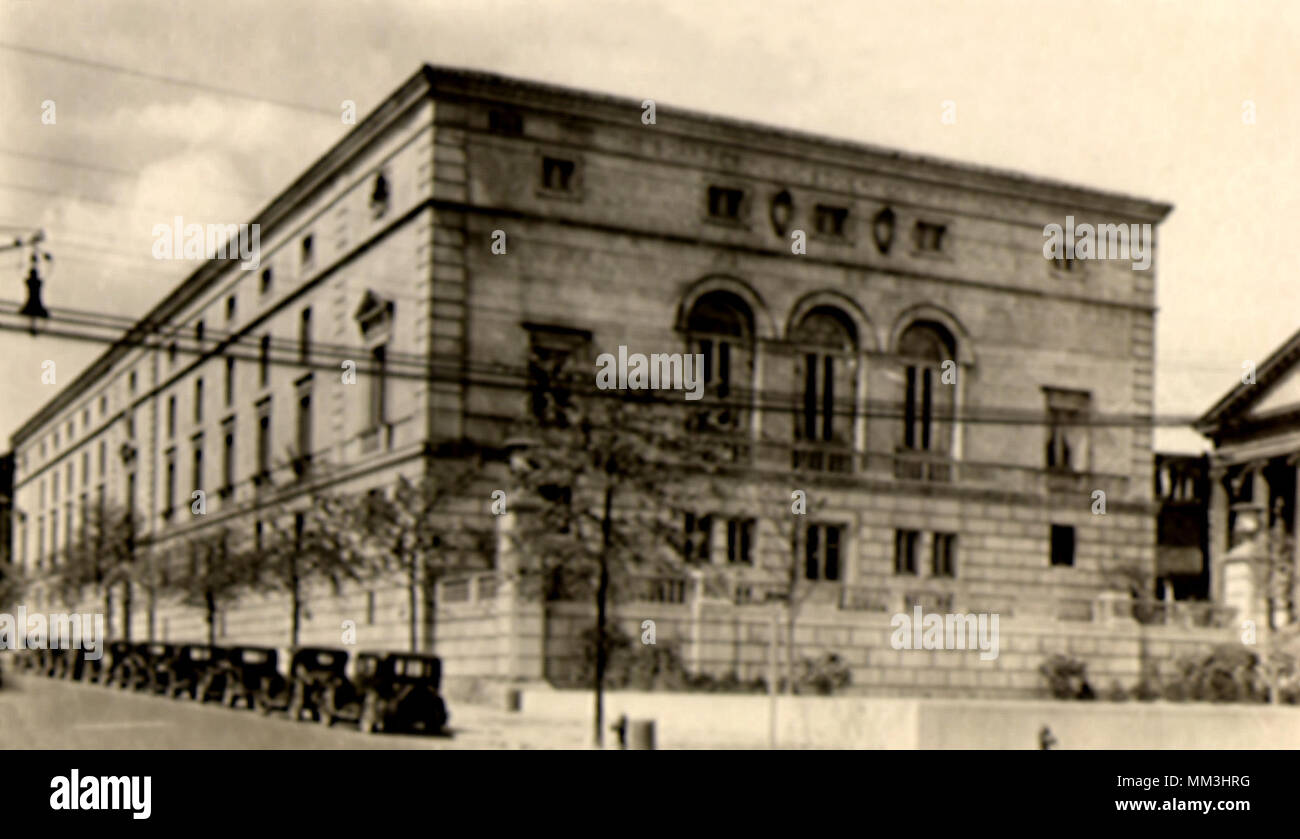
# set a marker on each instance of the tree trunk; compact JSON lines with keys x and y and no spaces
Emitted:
{"x":295,"y":603}
{"x":602,"y":598}
{"x":211,"y":603}
{"x":126,"y":610}
{"x":413,"y":600}
{"x":430,"y":621}
{"x":789,"y":646}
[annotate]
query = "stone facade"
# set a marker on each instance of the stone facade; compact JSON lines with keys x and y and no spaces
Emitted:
{"x":939,"y":389}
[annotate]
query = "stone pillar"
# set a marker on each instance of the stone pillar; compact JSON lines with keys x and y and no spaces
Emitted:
{"x":1217,"y":535}
{"x":958,"y":400}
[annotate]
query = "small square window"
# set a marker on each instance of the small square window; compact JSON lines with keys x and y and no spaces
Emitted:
{"x":1062,"y":545}
{"x":505,"y":121}
{"x":557,"y":174}
{"x":724,"y":202}
{"x":830,"y":221}
{"x":929,"y":236}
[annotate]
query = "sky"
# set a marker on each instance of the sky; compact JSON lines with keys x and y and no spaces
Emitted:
{"x":1137,"y":96}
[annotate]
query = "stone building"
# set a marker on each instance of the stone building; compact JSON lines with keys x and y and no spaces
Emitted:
{"x":956,"y":401}
{"x":1255,"y":430}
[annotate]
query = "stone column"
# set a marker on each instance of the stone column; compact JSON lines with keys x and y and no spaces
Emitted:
{"x":1217,"y":535}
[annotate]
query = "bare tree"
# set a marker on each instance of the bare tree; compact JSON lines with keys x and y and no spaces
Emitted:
{"x":101,"y":558}
{"x":293,"y":550}
{"x":410,"y":529}
{"x":209,"y":574}
{"x":606,"y":483}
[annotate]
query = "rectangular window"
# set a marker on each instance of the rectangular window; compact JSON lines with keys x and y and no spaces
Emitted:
{"x":171,"y":354}
{"x":264,"y":361}
{"x":169,"y":485}
{"x":230,"y":309}
{"x":103,"y":406}
{"x":198,"y":462}
{"x":822,"y":544}
{"x":740,"y":541}
{"x":264,"y":437}
{"x":199,"y":334}
{"x":307,"y":251}
{"x":198,"y":399}
{"x":918,"y":408}
{"x":944,"y":555}
{"x":85,"y":468}
{"x":131,"y":382}
{"x":830,"y":221}
{"x":557,"y":174}
{"x":304,"y":421}
{"x":54,"y":535}
{"x":378,"y":386}
{"x":304,"y":337}
{"x":724,"y":202}
{"x":230,"y":381}
{"x":103,"y":458}
{"x":1067,"y":429}
{"x":929,"y":236}
{"x":227,"y":454}
{"x":1062,"y":544}
{"x":171,"y":416}
{"x":697,"y":541}
{"x":266,"y":280}
{"x":905,"y":543}
{"x":551,"y":373}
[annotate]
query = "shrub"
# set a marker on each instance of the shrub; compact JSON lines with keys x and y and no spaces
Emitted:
{"x":1067,"y":678}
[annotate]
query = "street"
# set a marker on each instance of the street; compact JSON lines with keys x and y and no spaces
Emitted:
{"x":40,"y":713}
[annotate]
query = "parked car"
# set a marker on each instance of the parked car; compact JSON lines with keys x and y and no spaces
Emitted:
{"x":239,"y":675}
{"x":139,"y":671}
{"x":107,"y":670}
{"x":187,"y":672}
{"x":390,"y":692}
{"x":310,"y":671}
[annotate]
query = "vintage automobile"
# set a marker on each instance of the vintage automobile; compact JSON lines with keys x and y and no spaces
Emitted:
{"x":389,"y":692}
{"x":187,"y":671}
{"x":239,"y":675}
{"x":138,"y":670}
{"x":107,"y":670}
{"x":311,"y":669}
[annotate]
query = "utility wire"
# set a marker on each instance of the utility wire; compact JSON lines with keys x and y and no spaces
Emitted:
{"x":164,"y":79}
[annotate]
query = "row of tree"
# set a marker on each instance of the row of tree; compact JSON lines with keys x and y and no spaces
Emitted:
{"x":292,"y":547}
{"x":599,"y":488}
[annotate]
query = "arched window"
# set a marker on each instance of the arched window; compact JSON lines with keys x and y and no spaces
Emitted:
{"x":923,"y":348}
{"x":721,"y":328}
{"x":826,"y":344}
